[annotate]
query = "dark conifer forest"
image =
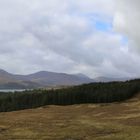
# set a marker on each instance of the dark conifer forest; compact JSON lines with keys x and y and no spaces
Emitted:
{"x":87,"y":93}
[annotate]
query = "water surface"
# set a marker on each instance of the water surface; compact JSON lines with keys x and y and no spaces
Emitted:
{"x":12,"y":90}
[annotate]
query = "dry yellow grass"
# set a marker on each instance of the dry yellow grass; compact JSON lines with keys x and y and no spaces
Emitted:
{"x":117,"y":121}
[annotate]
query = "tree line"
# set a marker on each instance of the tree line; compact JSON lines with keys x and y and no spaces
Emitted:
{"x":87,"y":93}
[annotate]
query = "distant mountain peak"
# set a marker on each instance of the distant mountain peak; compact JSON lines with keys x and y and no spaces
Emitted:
{"x":81,"y":75}
{"x":110,"y":79}
{"x":3,"y":71}
{"x":41,"y":79}
{"x":46,"y":78}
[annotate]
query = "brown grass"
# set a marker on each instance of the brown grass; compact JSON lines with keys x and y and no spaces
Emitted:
{"x":117,"y":121}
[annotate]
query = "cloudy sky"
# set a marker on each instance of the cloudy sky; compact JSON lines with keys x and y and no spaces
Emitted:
{"x":94,"y":37}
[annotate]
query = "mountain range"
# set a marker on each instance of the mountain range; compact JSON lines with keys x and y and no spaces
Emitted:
{"x":40,"y":79}
{"x":46,"y":79}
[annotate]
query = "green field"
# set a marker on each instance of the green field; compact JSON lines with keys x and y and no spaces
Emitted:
{"x":114,"y":121}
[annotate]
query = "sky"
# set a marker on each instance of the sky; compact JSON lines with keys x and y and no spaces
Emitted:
{"x":93,"y":37}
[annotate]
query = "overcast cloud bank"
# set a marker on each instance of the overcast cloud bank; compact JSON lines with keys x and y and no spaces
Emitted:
{"x":97,"y":38}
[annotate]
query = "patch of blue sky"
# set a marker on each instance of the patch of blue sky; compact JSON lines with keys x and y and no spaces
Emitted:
{"x":100,"y":22}
{"x":124,"y":40}
{"x":103,"y":26}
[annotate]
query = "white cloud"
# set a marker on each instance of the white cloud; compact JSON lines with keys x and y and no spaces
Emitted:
{"x":127,"y":20}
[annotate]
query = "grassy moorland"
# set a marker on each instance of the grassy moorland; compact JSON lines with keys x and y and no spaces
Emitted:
{"x":113,"y":121}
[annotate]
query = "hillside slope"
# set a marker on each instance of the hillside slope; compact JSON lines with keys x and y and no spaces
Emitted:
{"x":87,"y":93}
{"x":116,"y":121}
